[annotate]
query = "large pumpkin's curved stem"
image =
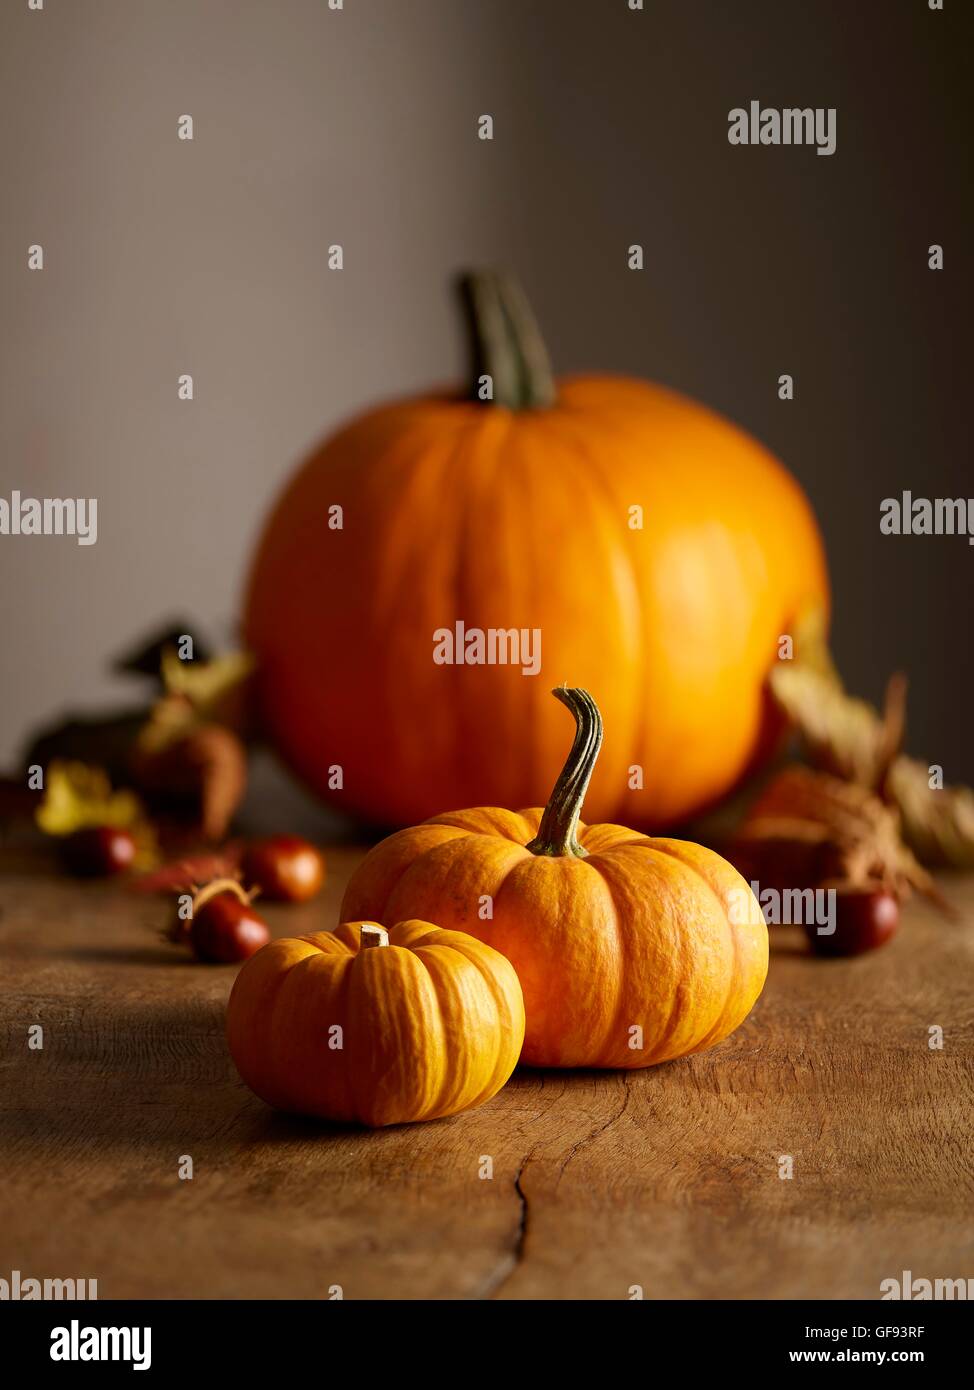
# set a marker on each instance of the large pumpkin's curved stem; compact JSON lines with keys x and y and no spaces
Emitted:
{"x":557,"y":831}
{"x":506,"y":341}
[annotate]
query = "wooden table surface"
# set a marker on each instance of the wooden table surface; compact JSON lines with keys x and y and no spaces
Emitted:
{"x":666,"y":1178}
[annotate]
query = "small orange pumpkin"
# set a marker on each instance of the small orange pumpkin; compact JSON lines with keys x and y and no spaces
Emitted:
{"x":427,"y":1023}
{"x":630,"y":950}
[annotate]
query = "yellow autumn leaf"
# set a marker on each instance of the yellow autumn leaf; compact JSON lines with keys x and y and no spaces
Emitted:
{"x":215,"y":689}
{"x":78,"y":796}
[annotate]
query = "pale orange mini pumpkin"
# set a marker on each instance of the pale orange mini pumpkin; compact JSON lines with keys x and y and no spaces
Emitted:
{"x":425,"y":1024}
{"x":630,"y":950}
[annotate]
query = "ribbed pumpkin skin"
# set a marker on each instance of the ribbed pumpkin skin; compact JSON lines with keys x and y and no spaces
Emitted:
{"x":638,"y":934}
{"x":503,"y":519}
{"x":432,"y":1024}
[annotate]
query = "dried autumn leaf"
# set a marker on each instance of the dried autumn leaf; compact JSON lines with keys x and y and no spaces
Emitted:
{"x":216,"y":690}
{"x":78,"y":797}
{"x":938,"y":823}
{"x":810,"y":633}
{"x":101,"y":741}
{"x":800,"y":793}
{"x":844,"y":735}
{"x":180,"y":875}
{"x":810,"y":823}
{"x":215,"y":759}
{"x":783,"y":852}
{"x":848,"y":738}
{"x":179,"y":757}
{"x":170,"y":719}
{"x":146,"y":658}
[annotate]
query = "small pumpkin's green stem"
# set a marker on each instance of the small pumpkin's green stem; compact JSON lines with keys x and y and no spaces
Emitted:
{"x":507,"y":345}
{"x":557,"y":832}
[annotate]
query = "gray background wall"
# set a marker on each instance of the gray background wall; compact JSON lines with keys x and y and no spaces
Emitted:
{"x":359,"y":127}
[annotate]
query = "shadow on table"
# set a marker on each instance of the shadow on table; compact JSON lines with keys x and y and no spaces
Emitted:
{"x":154,"y":955}
{"x":145,"y":1076}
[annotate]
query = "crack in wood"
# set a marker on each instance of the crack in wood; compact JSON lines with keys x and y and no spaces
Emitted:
{"x":515,"y":1257}
{"x":594,"y":1134}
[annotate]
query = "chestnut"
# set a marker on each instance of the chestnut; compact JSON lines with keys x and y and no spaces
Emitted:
{"x":865,"y":917}
{"x":224,"y":927}
{"x":284,"y":867}
{"x":99,"y":851}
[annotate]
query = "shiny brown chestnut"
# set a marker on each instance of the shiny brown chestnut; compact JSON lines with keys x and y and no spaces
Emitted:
{"x":285,"y":868}
{"x":865,"y":918}
{"x":98,"y":851}
{"x":224,"y":927}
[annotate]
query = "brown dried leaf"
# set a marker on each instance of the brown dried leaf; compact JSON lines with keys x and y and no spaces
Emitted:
{"x":180,"y":875}
{"x":844,"y":735}
{"x":848,"y":738}
{"x":938,"y":823}
{"x":203,"y":764}
{"x":783,"y":852}
{"x":101,"y":741}
{"x":847,"y":833}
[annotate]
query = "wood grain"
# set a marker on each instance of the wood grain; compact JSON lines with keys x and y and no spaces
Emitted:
{"x":666,"y":1178}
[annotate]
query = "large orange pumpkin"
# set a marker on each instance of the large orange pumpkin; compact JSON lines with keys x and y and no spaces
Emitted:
{"x":658,"y":551}
{"x":630,"y":950}
{"x":427,"y":1023}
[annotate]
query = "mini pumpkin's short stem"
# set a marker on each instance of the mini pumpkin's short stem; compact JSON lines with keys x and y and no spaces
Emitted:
{"x":506,"y":342}
{"x":557,"y":832}
{"x":373,"y":936}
